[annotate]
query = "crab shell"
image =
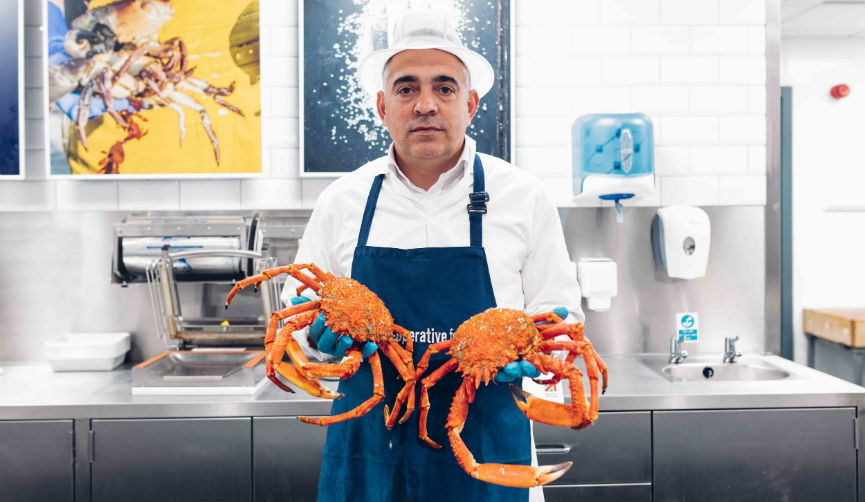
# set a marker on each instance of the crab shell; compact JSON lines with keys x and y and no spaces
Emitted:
{"x":350,"y":308}
{"x":131,"y":20}
{"x":485,"y":343}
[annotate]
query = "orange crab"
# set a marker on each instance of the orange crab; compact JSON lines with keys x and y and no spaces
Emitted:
{"x":350,"y":309}
{"x":481,"y":347}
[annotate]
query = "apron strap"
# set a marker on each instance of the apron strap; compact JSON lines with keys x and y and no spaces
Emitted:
{"x":477,"y":204}
{"x":476,"y":207}
{"x":371,"y":200}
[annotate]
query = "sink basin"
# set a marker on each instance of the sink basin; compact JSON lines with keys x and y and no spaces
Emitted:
{"x":718,"y":371}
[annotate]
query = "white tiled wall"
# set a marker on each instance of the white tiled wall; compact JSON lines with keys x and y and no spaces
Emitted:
{"x":697,"y":67}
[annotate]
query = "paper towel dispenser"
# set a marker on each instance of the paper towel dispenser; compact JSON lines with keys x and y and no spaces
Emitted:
{"x":612,"y":156}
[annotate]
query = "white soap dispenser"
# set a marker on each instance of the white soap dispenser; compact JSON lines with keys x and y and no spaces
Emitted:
{"x":683,"y":238}
{"x":598,"y":280}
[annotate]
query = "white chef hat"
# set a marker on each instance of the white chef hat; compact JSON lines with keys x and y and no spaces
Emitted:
{"x":425,"y":29}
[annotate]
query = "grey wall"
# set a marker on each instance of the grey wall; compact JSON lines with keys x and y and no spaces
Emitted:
{"x":55,"y":278}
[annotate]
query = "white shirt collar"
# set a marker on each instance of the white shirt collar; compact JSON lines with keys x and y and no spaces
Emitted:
{"x":461,"y":173}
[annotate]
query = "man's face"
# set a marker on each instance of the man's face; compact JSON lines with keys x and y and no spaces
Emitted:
{"x":426,"y":105}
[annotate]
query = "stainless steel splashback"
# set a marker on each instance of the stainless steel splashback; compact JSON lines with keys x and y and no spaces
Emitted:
{"x":729,"y":298}
{"x":55,"y":278}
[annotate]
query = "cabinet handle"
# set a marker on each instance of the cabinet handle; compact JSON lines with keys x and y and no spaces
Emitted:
{"x":547,"y":449}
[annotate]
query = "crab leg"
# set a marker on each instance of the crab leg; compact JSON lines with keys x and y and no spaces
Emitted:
{"x":403,"y":364}
{"x":189,"y":102}
{"x":301,"y":371}
{"x":276,"y":349}
{"x":406,"y":354}
{"x":103,"y":84}
{"x":593,"y":362}
{"x":341,"y":370}
{"x":208,"y":90}
{"x":426,"y":383}
{"x":432,"y":349}
{"x":576,"y":415}
{"x":577,"y":334}
{"x":124,"y":68}
{"x":523,"y":476}
{"x":406,"y":334}
{"x":175,"y":51}
{"x":84,"y":113}
{"x":294,"y":270}
{"x":279,"y":315}
{"x":550,"y":317}
{"x":364,"y":407}
{"x":311,"y":386}
{"x":574,"y":331}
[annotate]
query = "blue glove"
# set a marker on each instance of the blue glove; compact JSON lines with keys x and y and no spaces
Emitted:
{"x":297,"y":300}
{"x":517,"y":369}
{"x":68,"y":103}
{"x":559,"y":311}
{"x":327,"y":341}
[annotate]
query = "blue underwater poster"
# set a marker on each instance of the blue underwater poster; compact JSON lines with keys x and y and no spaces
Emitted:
{"x":11,"y":88}
{"x":340,"y":128}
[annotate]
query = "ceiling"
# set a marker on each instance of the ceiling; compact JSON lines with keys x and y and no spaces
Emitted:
{"x":823,"y":18}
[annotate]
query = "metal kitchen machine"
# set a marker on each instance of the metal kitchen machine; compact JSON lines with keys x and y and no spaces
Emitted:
{"x":189,"y":264}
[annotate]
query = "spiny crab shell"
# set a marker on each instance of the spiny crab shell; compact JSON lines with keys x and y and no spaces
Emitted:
{"x":485,"y":343}
{"x":350,"y":308}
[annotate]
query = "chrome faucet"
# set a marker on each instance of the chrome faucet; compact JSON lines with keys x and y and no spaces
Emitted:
{"x":730,"y":353}
{"x":677,"y":353}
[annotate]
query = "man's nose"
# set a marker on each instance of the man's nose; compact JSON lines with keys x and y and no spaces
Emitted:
{"x":425,"y":103}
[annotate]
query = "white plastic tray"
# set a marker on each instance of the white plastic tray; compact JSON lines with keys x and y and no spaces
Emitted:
{"x":87,"y":351}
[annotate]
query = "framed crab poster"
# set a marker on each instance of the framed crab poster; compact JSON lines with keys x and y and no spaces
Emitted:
{"x":12,"y":90}
{"x":153,"y":88}
{"x":340,"y":130}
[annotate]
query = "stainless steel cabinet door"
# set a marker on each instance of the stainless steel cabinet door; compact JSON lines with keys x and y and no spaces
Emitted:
{"x":36,"y":460}
{"x":755,"y":455}
{"x":598,"y":493}
{"x":286,"y":458}
{"x":172,"y":459}
{"x":617,"y":448}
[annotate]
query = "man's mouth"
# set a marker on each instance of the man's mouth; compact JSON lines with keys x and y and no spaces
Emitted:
{"x":425,"y":129}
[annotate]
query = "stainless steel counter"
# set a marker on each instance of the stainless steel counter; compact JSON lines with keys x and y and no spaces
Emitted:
{"x":33,"y":391}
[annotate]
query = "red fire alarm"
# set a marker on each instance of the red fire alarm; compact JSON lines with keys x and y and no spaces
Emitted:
{"x":840,"y":91}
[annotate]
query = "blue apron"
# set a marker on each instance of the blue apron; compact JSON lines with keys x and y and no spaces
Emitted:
{"x":429,"y":291}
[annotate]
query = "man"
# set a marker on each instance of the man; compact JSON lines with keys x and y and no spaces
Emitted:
{"x":400,"y":225}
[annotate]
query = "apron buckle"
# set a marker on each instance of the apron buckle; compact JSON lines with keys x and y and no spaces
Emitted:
{"x":478,"y":202}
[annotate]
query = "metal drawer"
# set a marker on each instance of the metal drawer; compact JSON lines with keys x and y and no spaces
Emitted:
{"x":599,"y":493}
{"x":615,"y":449}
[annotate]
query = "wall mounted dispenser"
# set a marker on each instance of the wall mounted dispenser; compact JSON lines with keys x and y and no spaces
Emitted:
{"x":682,"y":241}
{"x":613,"y":157}
{"x":598,"y":282}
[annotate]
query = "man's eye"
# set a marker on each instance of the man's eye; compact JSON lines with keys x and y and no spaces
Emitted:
{"x":405,"y":91}
{"x":446,"y":90}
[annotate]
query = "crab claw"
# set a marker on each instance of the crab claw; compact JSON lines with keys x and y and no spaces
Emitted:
{"x":309,"y":385}
{"x":522,"y":476}
{"x":548,"y":412}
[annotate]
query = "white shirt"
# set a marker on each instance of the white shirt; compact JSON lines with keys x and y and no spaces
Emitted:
{"x":522,"y":235}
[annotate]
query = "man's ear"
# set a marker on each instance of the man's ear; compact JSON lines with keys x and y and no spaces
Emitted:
{"x":379,"y":105}
{"x":474,"y":100}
